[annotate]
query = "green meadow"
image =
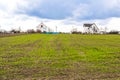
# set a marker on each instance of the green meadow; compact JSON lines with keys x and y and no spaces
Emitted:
{"x":60,"y":57}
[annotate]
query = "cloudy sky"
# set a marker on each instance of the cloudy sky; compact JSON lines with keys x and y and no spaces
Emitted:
{"x":65,"y":14}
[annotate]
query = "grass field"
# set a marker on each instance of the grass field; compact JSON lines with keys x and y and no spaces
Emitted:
{"x":60,"y":57}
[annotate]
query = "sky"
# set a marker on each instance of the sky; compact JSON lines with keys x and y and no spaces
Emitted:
{"x":65,"y":14}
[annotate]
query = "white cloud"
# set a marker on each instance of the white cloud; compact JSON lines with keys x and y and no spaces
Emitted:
{"x":81,"y":11}
{"x":113,"y":23}
{"x":9,"y":6}
{"x":9,"y":19}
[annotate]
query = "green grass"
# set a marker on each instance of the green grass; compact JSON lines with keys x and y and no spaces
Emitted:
{"x":60,"y":57}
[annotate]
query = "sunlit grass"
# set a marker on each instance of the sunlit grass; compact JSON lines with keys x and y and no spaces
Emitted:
{"x":62,"y":56}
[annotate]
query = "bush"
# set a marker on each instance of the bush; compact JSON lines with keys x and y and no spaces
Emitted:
{"x":74,"y":32}
{"x":114,"y":32}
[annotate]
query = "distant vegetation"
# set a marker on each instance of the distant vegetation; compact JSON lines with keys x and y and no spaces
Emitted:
{"x":60,"y":57}
{"x":114,"y":32}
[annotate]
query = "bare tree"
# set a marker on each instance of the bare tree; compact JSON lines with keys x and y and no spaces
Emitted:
{"x":106,"y":29}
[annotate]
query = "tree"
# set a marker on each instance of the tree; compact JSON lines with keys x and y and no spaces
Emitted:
{"x":15,"y":31}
